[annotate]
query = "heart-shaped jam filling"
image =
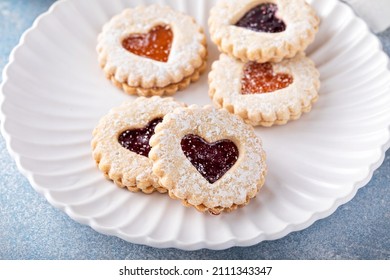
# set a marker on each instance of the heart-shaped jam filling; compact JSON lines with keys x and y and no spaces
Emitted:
{"x":260,"y":78}
{"x":262,"y":18}
{"x":137,"y":140}
{"x":212,"y":160}
{"x":156,"y":44}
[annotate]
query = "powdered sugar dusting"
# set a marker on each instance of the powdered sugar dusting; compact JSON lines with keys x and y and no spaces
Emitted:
{"x":240,"y":182}
{"x":226,"y":86}
{"x":301,"y":26}
{"x":123,"y":166}
{"x":187,"y":52}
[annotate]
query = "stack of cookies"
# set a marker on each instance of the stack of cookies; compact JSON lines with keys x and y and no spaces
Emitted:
{"x":204,"y":156}
{"x":263,"y":74}
{"x":207,"y":157}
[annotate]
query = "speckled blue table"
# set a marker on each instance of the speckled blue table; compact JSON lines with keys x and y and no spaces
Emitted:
{"x":30,"y":228}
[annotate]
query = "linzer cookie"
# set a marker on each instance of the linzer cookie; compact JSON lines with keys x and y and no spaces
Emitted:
{"x":152,"y":50}
{"x":121,"y":142}
{"x":265,"y":93}
{"x":261,"y":31}
{"x":208,"y":158}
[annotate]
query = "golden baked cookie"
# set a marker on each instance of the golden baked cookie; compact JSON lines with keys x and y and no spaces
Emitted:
{"x":208,"y":158}
{"x":152,"y":50}
{"x":262,"y":30}
{"x":120,"y":142}
{"x":265,"y":93}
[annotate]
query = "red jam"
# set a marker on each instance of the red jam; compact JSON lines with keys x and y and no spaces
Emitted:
{"x":262,"y":18}
{"x":137,"y":140}
{"x":260,"y":78}
{"x":156,"y":44}
{"x":212,"y":160}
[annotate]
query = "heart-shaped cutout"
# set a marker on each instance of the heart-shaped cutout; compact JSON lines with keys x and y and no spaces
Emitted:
{"x":260,"y":78}
{"x":137,"y":140}
{"x":212,"y":160}
{"x":156,"y":44}
{"x":262,"y":18}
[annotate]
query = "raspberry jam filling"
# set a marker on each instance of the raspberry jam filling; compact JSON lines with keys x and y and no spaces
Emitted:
{"x":156,"y":44}
{"x":260,"y":78}
{"x":212,"y":160}
{"x":137,"y":140}
{"x":262,"y":18}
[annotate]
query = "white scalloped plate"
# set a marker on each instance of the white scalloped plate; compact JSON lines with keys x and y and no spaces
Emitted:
{"x":54,"y":93}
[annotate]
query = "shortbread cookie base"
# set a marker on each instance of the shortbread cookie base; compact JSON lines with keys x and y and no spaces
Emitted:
{"x":247,"y":45}
{"x":183,"y":181}
{"x":215,"y":210}
{"x":126,"y":168}
{"x":265,"y":109}
{"x":187,"y":55}
{"x":167,"y":91}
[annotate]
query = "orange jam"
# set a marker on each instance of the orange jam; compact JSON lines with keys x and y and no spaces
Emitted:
{"x":156,"y":44}
{"x":260,"y":78}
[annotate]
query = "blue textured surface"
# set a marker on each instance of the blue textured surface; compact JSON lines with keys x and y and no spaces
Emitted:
{"x":30,"y":228}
